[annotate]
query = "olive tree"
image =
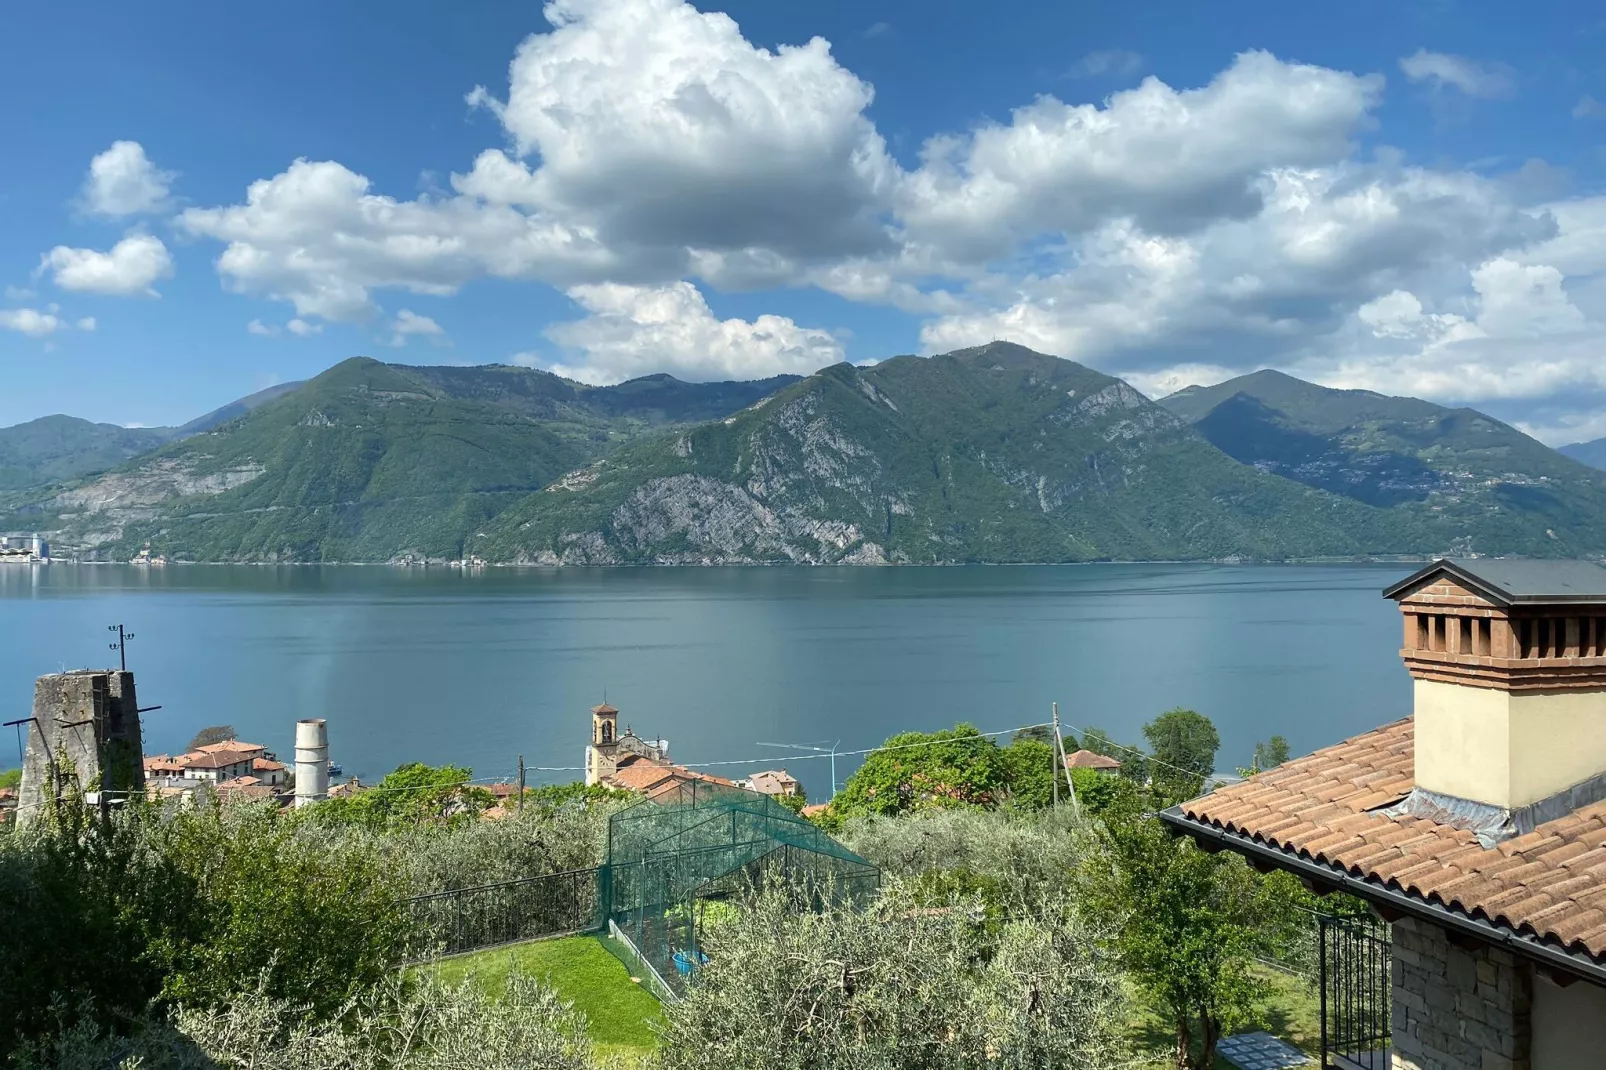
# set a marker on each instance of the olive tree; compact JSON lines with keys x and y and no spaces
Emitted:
{"x":898,"y":986}
{"x":397,"y":1024}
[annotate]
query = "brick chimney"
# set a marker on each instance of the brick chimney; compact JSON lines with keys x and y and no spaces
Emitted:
{"x":1508,"y":662}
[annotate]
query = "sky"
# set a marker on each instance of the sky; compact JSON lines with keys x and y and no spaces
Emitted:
{"x":199,"y":201}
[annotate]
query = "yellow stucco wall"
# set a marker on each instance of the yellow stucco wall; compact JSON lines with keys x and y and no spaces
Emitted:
{"x":1507,"y":748}
{"x":1569,"y":1026}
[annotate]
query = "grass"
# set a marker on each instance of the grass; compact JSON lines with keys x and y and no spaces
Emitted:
{"x":620,"y":1014}
{"x":1289,"y":1010}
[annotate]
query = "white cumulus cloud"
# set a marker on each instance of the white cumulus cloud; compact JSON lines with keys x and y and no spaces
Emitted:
{"x":87,"y":323}
{"x":1169,"y":161}
{"x":632,"y":331}
{"x":129,"y":268}
{"x":29,"y":321}
{"x":409,"y":324}
{"x":1167,"y":233}
{"x":123,"y":181}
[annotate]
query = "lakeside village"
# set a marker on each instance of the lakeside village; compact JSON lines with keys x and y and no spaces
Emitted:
{"x":87,"y":719}
{"x":1438,"y":883}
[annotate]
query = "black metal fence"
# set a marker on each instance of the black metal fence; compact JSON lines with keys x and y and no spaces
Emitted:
{"x":1355,"y":957}
{"x":465,"y":919}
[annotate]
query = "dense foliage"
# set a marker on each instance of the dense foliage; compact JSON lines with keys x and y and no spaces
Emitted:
{"x":949,"y":768}
{"x":1007,"y":934}
{"x":192,"y":907}
{"x":900,"y":986}
{"x":1189,"y":926}
{"x":100,"y":919}
{"x":401,"y":1023}
{"x":1184,"y":745}
{"x":412,"y":795}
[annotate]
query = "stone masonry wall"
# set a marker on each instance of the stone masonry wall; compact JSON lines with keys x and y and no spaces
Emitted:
{"x":1458,"y":1009}
{"x":85,"y":736}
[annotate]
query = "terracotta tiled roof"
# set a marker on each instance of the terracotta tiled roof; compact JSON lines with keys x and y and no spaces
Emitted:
{"x":1086,"y":759}
{"x":648,"y":777}
{"x":1549,"y":884}
{"x":231,"y":746}
{"x":265,"y":765}
{"x":213,"y":759}
{"x":773,"y":782}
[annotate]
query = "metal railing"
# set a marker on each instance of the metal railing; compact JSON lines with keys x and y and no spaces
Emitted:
{"x":466,"y":919}
{"x":1355,"y":957}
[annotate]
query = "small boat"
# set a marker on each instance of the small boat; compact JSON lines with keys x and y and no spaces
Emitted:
{"x":335,"y":769}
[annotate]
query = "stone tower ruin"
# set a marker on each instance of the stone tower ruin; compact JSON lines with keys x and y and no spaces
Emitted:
{"x":84,"y":739}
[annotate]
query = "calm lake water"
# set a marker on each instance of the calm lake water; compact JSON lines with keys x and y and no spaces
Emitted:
{"x":439,"y":666}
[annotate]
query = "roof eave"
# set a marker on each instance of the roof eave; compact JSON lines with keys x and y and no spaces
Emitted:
{"x":1337,"y":877}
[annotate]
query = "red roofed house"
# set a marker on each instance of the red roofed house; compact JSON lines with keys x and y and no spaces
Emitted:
{"x":216,"y":762}
{"x":773,"y":782}
{"x":1086,"y":759}
{"x":1476,"y":828}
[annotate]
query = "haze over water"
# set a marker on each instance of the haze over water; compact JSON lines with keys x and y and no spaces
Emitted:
{"x":475,"y":669}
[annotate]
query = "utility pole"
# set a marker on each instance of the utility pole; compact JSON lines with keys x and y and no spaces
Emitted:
{"x":521,"y":783}
{"x":1059,"y":756}
{"x":121,"y":646}
{"x":1055,"y":756}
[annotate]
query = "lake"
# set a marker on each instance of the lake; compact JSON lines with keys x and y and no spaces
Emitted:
{"x":475,"y":669}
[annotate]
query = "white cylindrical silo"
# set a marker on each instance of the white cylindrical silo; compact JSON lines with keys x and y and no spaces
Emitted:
{"x":312,"y":761}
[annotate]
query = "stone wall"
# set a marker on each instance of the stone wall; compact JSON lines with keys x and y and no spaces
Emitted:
{"x":1458,"y":1008}
{"x":85,"y":736}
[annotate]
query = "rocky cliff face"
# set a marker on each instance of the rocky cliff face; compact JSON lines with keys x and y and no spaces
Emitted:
{"x":993,"y":454}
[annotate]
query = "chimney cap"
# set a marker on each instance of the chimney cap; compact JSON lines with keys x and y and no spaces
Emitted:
{"x":1515,"y":581}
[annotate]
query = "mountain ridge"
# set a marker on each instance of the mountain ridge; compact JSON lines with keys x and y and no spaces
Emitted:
{"x":367,"y":461}
{"x":989,"y":454}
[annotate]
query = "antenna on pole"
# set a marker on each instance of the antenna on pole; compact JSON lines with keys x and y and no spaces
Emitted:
{"x":831,"y":750}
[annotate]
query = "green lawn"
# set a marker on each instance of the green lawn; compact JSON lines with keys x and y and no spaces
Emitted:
{"x":1289,"y":1011}
{"x":620,"y":1013}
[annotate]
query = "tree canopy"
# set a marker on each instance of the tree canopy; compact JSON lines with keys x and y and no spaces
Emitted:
{"x":218,"y":733}
{"x":415,"y":793}
{"x":921,"y":770}
{"x":1271,"y":753}
{"x":1190,"y":925}
{"x":1183,"y":747}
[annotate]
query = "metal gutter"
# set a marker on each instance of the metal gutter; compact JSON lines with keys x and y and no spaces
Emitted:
{"x":1485,"y":931}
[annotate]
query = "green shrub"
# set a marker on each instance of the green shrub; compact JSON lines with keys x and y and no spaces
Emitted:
{"x":898,"y":987}
{"x":397,"y":1024}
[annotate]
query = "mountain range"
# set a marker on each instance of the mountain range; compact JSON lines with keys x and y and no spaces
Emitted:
{"x":991,"y":454}
{"x":1591,"y":453}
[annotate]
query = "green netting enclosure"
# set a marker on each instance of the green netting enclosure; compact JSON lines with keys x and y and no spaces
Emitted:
{"x":674,"y":860}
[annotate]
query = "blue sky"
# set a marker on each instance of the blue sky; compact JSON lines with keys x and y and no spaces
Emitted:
{"x":1399,"y":196}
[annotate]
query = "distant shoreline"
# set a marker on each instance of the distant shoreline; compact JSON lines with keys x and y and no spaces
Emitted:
{"x":1402,"y":559}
